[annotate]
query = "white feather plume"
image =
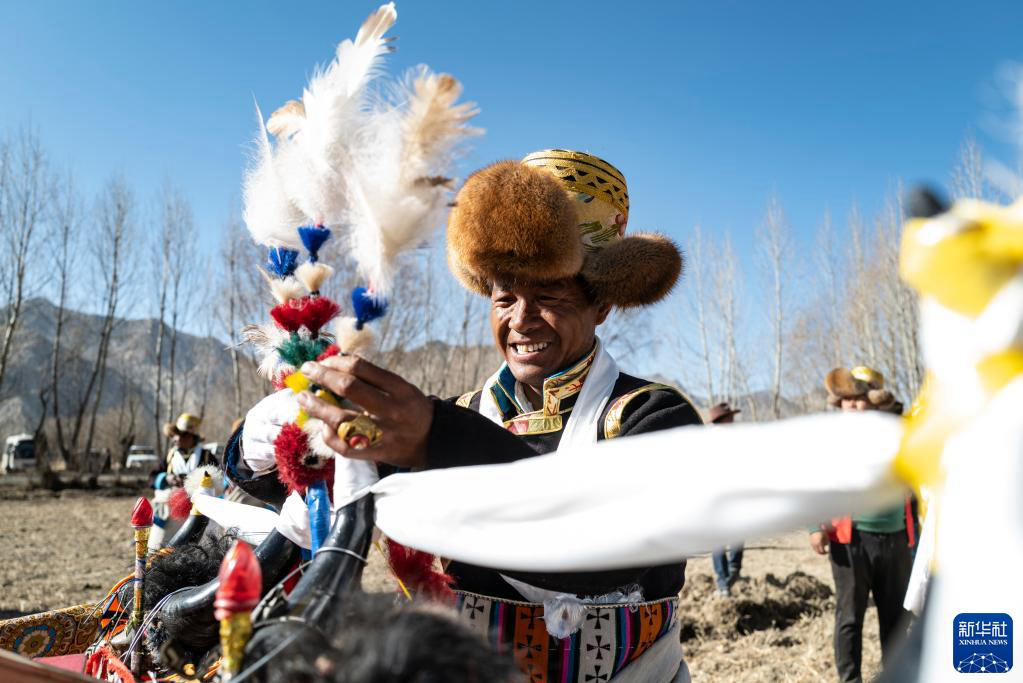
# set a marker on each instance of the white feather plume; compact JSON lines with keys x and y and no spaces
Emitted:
{"x":194,"y":479}
{"x":313,"y":275}
{"x":397,"y":189}
{"x":350,"y":339}
{"x":312,"y":156}
{"x":265,"y":339}
{"x":269,"y":215}
{"x":285,"y":289}
{"x":313,"y":429}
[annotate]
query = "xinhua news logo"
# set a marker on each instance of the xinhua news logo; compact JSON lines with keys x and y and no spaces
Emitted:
{"x":982,"y":643}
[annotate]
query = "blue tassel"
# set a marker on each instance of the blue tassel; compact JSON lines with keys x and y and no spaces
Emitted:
{"x":313,"y":237}
{"x":281,"y":261}
{"x":367,"y":306}
{"x":318,"y":502}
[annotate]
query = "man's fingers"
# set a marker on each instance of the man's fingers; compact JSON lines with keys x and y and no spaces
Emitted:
{"x":321,"y":410}
{"x":358,"y":366}
{"x":350,"y":387}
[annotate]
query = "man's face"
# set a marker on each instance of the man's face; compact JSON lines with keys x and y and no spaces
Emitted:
{"x":855,"y":405}
{"x":184,"y":441}
{"x":541,"y":328}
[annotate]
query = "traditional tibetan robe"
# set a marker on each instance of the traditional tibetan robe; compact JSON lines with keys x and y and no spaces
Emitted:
{"x":581,"y":626}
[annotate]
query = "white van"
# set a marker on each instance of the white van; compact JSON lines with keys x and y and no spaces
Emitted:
{"x":19,"y":454}
{"x":142,"y":458}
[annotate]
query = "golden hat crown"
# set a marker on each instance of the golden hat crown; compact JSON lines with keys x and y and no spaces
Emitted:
{"x":870,"y":376}
{"x":187,"y":422}
{"x":584,"y":173}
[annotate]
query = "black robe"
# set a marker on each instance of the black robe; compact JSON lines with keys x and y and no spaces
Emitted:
{"x":460,"y":436}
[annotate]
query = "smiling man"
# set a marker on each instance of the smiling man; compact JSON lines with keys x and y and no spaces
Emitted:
{"x":545,"y":240}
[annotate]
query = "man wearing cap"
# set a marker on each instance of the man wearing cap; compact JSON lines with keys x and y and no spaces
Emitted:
{"x":185,"y":455}
{"x":186,"y":452}
{"x":545,"y":240}
{"x":727,"y":561}
{"x":870,"y":554}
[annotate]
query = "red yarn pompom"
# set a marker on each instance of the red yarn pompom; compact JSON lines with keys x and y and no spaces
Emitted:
{"x":331,"y":350}
{"x":295,"y":460}
{"x":416,"y":570}
{"x":179,"y":503}
{"x":311,"y":312}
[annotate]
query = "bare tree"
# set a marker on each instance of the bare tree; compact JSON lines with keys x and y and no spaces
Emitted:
{"x":176,"y":258}
{"x":25,"y":191}
{"x":161,"y":256}
{"x":725,"y":295}
{"x":234,"y":266}
{"x":114,"y":213}
{"x":775,"y":250}
{"x":64,"y":236}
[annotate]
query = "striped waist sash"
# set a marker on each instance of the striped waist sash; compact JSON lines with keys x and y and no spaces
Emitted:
{"x":610,"y":637}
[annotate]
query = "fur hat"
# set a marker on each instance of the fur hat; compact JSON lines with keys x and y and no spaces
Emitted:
{"x":859,"y":382}
{"x":557,"y":214}
{"x":187,"y":423}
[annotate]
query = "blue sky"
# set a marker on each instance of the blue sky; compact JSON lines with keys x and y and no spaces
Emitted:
{"x":707,"y":107}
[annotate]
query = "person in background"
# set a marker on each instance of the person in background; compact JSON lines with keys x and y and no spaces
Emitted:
{"x":870,"y":554}
{"x":186,"y":452}
{"x":727,"y":561}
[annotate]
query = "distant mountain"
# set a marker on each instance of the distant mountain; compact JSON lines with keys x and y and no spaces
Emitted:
{"x":203,"y":381}
{"x":757,"y":403}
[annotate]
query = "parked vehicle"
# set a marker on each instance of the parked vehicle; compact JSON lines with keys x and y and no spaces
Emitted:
{"x":142,"y":458}
{"x":19,"y":454}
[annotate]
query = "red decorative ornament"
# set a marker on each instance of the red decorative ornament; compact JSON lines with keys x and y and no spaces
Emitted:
{"x":179,"y":503}
{"x":142,"y":514}
{"x":416,"y":570}
{"x":291,"y":450}
{"x":311,"y":312}
{"x":241,"y":582}
{"x":332,"y":350}
{"x":105,"y":665}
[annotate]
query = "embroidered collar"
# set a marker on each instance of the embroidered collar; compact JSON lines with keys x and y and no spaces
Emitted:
{"x":558,"y":389}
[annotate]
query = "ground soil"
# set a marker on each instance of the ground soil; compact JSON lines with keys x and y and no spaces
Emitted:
{"x":68,"y":548}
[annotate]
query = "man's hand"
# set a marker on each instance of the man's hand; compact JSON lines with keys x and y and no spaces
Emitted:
{"x":403,"y":413}
{"x":819,"y":542}
{"x":173,"y":480}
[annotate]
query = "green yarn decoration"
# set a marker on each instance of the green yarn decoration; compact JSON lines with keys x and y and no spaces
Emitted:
{"x":296,"y":350}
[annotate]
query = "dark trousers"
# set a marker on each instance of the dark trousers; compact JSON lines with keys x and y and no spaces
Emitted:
{"x":727,"y":565}
{"x":870,"y":563}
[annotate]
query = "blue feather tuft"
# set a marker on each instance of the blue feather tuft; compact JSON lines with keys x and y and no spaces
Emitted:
{"x":281,"y":261}
{"x":367,"y":306}
{"x":313,"y":237}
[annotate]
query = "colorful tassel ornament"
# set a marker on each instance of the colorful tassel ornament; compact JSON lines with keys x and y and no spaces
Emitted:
{"x":415,"y":569}
{"x":281,"y":262}
{"x":309,"y":312}
{"x":313,"y":237}
{"x":367,"y":306}
{"x":297,"y":466}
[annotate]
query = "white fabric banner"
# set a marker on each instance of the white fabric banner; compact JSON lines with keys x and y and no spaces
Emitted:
{"x":647,"y":499}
